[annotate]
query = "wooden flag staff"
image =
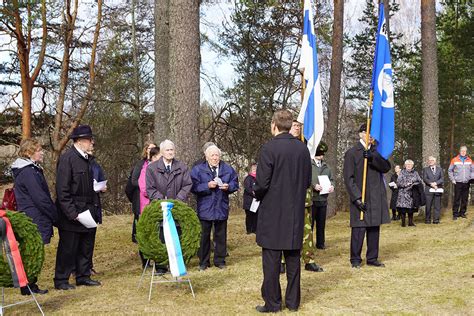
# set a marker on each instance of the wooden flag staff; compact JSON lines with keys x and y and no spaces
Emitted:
{"x":366,"y":145}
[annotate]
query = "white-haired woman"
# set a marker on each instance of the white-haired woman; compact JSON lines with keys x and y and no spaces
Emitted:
{"x":407,"y":180}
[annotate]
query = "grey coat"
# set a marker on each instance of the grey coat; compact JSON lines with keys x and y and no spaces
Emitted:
{"x":376,"y":195}
{"x":406,"y":182}
{"x":430,"y":177}
{"x":161,"y":185}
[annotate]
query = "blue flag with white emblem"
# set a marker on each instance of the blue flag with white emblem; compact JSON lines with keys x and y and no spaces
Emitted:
{"x":311,"y":114}
{"x":382,"y":128}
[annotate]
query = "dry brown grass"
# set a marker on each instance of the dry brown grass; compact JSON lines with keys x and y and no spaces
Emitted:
{"x":429,"y":271}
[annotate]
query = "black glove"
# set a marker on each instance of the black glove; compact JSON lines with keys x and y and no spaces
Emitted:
{"x":361,"y":206}
{"x":368,"y":155}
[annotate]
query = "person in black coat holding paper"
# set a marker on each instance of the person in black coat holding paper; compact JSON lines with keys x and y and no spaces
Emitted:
{"x":250,"y":217}
{"x":75,"y":194}
{"x":433,"y":178}
{"x":375,"y":208}
{"x":394,"y":188}
{"x":283,"y":176}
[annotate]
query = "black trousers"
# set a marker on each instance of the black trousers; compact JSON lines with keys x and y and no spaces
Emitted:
{"x":220,"y":240}
{"x":251,"y":221}
{"x":433,"y":201}
{"x":319,"y":211}
{"x":271,"y":290}
{"x":461,"y":193}
{"x":74,"y":252}
{"x":357,"y":240}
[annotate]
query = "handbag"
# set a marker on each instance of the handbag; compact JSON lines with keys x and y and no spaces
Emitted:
{"x":9,"y":201}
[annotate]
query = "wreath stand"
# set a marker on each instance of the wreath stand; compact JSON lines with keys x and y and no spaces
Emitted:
{"x":163,"y":278}
{"x":33,"y":298}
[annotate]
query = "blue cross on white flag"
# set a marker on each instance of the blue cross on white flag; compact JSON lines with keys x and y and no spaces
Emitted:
{"x":311,"y":114}
{"x":382,"y":127}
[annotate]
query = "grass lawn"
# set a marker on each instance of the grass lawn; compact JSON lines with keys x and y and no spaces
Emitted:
{"x":429,"y":270}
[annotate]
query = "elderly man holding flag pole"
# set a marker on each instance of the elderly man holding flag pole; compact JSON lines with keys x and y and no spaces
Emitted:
{"x":366,"y":162}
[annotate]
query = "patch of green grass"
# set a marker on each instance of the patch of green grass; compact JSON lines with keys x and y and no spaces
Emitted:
{"x":429,"y":270}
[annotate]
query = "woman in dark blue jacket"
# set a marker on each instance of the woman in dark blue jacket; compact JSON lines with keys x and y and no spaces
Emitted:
{"x":32,"y":195}
{"x":213,"y":181}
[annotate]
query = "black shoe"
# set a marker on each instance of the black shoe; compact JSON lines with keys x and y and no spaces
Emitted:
{"x":321,"y":247}
{"x":463,"y":215}
{"x":221,"y":266}
{"x":264,"y":309}
{"x":313,"y":267}
{"x":34,"y":288}
{"x":88,"y":282}
{"x":64,"y":286}
{"x":376,"y":263}
{"x":293,"y":309}
{"x":435,"y":222}
{"x":203,"y":267}
{"x":427,"y":222}
{"x":356,"y":265}
{"x":282,"y":268}
{"x":161,"y":271}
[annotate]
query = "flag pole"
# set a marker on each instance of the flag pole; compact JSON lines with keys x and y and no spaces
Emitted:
{"x":303,"y":87}
{"x":367,"y":138}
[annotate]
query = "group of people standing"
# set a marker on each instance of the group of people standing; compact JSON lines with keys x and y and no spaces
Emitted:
{"x":410,"y":190}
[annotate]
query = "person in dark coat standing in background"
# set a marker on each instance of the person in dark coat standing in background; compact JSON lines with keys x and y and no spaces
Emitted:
{"x":250,"y":217}
{"x":32,"y":195}
{"x":213,"y":181}
{"x":393,"y":199}
{"x":375,"y":207}
{"x":75,"y":194}
{"x":434,"y":179}
{"x":283,"y":176}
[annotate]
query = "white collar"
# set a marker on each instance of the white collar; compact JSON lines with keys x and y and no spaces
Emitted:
{"x":83,"y":153}
{"x":363,"y":143}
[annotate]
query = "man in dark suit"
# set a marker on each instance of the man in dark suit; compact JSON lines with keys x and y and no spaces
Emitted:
{"x":75,"y":194}
{"x":375,"y":207}
{"x":433,"y":179}
{"x":283,"y":176}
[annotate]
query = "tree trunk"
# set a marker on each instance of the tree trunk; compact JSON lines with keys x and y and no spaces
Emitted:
{"x":162,"y":70}
{"x":184,"y":77}
{"x":332,"y":134}
{"x":429,"y":80}
{"x":136,"y":75}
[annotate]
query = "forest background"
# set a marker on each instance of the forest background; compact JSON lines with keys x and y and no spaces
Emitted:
{"x":196,"y":71}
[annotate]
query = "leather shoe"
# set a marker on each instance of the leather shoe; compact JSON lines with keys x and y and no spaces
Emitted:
{"x":376,"y":263}
{"x":435,"y":222}
{"x":264,"y":309}
{"x":34,"y":288}
{"x":88,"y":282}
{"x":463,"y":215}
{"x":203,"y":267}
{"x":313,"y":267}
{"x":64,"y":286}
{"x":356,"y":265}
{"x":292,"y":309}
{"x":221,"y":266}
{"x":321,"y":247}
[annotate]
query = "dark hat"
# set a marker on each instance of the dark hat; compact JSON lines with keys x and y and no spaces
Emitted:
{"x":363,"y":128}
{"x":81,"y":131}
{"x":322,"y":148}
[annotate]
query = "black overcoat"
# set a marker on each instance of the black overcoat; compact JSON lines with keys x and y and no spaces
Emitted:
{"x":248,"y":192}
{"x":376,"y":194}
{"x":393,"y":199}
{"x":75,"y":191}
{"x":283,"y":176}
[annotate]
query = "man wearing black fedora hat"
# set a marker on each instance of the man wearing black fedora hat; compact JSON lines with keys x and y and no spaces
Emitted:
{"x":75,"y":194}
{"x":375,"y":206}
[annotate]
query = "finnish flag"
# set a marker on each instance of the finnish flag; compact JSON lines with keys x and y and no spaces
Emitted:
{"x":173,"y":245}
{"x":311,"y":114}
{"x":382,"y":127}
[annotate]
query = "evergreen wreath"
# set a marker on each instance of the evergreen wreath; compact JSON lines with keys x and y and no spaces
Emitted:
{"x":30,"y":245}
{"x":148,"y":227}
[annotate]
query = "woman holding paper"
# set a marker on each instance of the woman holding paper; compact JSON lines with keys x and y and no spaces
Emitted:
{"x":250,"y":217}
{"x":406,"y":183}
{"x":33,"y":196}
{"x":393,"y":186}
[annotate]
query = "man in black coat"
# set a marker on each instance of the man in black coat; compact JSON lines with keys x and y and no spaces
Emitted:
{"x":433,"y":178}
{"x":75,"y":194}
{"x":375,"y":208}
{"x":283,"y":176}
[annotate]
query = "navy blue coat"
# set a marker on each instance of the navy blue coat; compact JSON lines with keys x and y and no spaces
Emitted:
{"x":33,"y":197}
{"x":213,"y":204}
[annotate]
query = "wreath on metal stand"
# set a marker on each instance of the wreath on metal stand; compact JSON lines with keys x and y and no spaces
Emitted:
{"x":30,"y":245}
{"x":148,"y":231}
